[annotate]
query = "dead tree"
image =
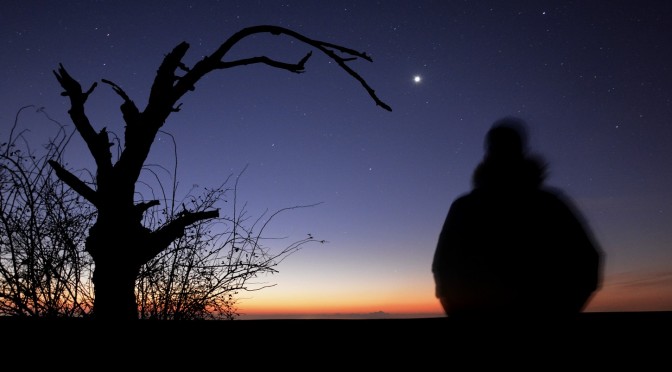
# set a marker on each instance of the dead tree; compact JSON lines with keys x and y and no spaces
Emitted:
{"x":118,"y":242}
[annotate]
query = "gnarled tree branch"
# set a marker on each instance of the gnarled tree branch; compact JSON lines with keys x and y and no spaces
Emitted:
{"x":168,"y":87}
{"x":174,"y":229}
{"x":98,"y":143}
{"x":128,"y":109}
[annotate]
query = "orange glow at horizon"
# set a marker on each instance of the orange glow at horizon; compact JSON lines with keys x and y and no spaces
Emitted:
{"x":275,"y":301}
{"x":323,"y":309}
{"x":623,"y":292}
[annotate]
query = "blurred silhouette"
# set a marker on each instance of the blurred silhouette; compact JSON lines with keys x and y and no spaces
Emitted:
{"x":513,"y":246}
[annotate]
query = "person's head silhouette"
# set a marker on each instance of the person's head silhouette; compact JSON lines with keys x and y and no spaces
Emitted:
{"x":507,"y":139}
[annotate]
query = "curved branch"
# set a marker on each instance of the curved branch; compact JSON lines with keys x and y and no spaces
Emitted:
{"x":215,"y":60}
{"x":168,"y":88}
{"x":325,"y":47}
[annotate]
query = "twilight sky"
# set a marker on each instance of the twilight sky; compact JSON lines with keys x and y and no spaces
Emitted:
{"x":593,"y":80}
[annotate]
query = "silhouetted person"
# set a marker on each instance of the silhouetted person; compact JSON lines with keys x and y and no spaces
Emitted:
{"x":512,"y":246}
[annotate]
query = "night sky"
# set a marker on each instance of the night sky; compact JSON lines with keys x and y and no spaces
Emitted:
{"x":593,"y":79}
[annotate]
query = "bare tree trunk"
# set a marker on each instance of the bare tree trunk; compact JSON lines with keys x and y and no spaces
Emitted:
{"x":114,"y":247}
{"x":115,"y":291}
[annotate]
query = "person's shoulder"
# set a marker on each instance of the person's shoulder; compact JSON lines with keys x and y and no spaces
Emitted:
{"x":553,"y":194}
{"x":468,"y":196}
{"x":463,"y":200}
{"x":556,"y":199}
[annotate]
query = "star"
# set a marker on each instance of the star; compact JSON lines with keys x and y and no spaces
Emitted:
{"x":417,"y":79}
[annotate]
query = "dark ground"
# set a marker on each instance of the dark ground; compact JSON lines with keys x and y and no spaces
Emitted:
{"x":590,"y":338}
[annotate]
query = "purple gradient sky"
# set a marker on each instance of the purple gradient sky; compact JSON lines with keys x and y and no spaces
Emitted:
{"x":592,"y":78}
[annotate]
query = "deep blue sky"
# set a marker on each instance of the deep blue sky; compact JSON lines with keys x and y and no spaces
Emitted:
{"x":592,"y":79}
